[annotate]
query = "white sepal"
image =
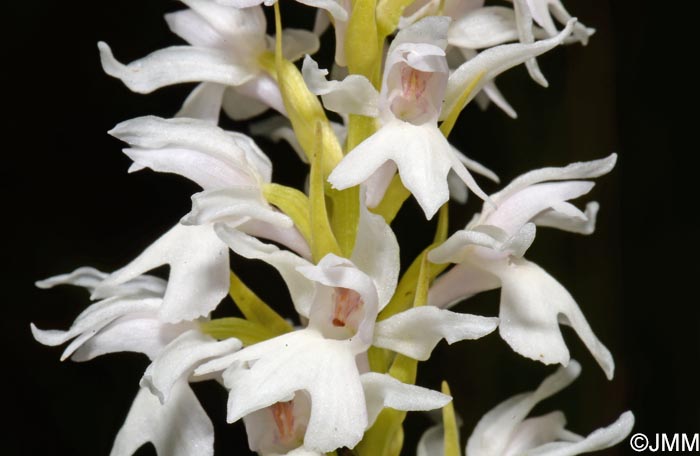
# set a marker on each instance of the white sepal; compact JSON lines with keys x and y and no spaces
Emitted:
{"x":180,"y":427}
{"x":599,"y":439}
{"x":286,"y":263}
{"x":415,"y":332}
{"x":179,"y":359}
{"x":383,"y":390}
{"x":353,"y":95}
{"x":492,"y":62}
{"x":175,"y":65}
{"x":376,"y":253}
{"x":199,"y":271}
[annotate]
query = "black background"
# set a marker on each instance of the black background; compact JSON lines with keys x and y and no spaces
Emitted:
{"x":69,"y":202}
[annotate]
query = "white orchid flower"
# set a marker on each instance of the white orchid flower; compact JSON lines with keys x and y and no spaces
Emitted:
{"x":488,"y":254}
{"x":505,"y":430}
{"x":231,"y":169}
{"x":416,"y":81}
{"x":319,"y":360}
{"x":226,"y":44}
{"x":127,"y":319}
{"x":341,"y":299}
{"x":413,"y":87}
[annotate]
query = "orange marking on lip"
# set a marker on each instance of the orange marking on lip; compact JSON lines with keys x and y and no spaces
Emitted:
{"x":413,"y":82}
{"x":283,"y":414}
{"x":346,"y":302}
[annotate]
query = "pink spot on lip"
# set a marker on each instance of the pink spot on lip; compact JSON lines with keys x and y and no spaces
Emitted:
{"x":347,"y":301}
{"x":413,"y":82}
{"x":283,"y":414}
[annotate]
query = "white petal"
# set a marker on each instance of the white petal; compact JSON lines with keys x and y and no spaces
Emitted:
{"x":513,"y":213}
{"x":179,"y":359}
{"x":174,"y":65}
{"x":334,"y":7}
{"x":458,"y":189}
{"x":180,"y":427}
{"x":523,"y":19}
{"x":279,"y":128}
{"x":340,"y":30}
{"x":461,"y":282}
{"x":261,"y":88}
{"x":582,"y":224}
{"x":298,"y":42}
{"x":418,"y":10}
{"x":533,"y":432}
{"x":140,"y":332}
{"x":288,"y":237}
{"x":192,"y":28}
{"x":542,"y":12}
{"x":204,"y":102}
{"x":241,"y":107}
{"x":475,"y":166}
{"x":206,"y":171}
{"x":539,"y":10}
{"x":578,"y":170}
{"x":85,"y":277}
{"x":598,"y":440}
{"x":432,"y":442}
{"x":463,"y":173}
{"x":484,"y":28}
{"x":532,"y":306}
{"x":430,"y":30}
{"x":93,"y":319}
{"x":494,"y":431}
{"x":199,"y":271}
{"x":303,"y":452}
{"x":145,"y":286}
{"x":498,"y":99}
{"x":353,"y":95}
{"x":415,"y":332}
{"x":492,"y":62}
{"x":376,"y":253}
{"x":241,"y":27}
{"x":454,"y":249}
{"x":302,"y":360}
{"x":233,"y":205}
{"x":286,"y":263}
{"x":383,"y":390}
{"x":196,"y":149}
{"x":378,"y":183}
{"x":421,"y":153}
{"x":321,"y":22}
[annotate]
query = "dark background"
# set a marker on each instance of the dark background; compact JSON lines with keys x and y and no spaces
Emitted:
{"x":69,"y":202}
